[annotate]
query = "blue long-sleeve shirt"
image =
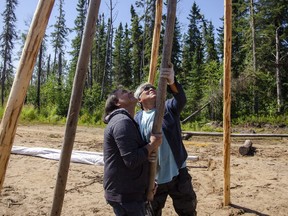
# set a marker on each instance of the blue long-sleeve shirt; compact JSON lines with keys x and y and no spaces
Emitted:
{"x":171,"y":124}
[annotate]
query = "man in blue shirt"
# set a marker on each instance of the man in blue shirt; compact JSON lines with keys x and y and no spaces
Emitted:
{"x":172,"y":175}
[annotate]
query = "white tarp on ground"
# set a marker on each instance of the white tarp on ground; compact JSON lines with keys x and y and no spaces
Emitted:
{"x":92,"y":158}
{"x":85,"y":157}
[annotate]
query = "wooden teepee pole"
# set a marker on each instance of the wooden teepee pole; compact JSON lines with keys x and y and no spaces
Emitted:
{"x":21,"y":82}
{"x":155,"y":42}
{"x":162,"y":85}
{"x":227,"y":98}
{"x":75,"y":105}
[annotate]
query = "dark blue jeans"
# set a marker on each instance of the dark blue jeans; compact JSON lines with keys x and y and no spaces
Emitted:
{"x":128,"y":209}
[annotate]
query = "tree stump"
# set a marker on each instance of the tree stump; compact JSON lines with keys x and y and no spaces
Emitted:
{"x":246,"y":149}
{"x":186,"y":136}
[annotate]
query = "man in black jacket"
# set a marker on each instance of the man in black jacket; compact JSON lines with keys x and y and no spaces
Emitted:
{"x":172,"y":174}
{"x":125,"y":156}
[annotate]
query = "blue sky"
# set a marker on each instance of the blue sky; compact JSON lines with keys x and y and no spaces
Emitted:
{"x":212,"y":9}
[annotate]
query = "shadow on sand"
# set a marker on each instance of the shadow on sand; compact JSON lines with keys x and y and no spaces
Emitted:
{"x":247,"y":210}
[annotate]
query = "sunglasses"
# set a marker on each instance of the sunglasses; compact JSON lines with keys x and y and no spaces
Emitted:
{"x":147,"y":88}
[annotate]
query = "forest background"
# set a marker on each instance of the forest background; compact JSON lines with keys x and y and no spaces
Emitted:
{"x":121,"y":56}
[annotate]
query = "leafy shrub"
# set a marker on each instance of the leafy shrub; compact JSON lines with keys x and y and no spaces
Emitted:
{"x":29,"y":114}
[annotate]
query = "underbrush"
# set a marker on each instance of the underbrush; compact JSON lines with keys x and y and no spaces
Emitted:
{"x":260,"y":122}
{"x":30,"y":115}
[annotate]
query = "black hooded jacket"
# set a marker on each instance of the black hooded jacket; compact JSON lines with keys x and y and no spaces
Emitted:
{"x":125,"y":159}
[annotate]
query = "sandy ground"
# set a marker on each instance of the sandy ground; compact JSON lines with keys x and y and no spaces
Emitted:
{"x":259,"y":183}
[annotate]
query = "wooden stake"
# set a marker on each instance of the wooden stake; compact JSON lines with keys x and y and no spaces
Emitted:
{"x":21,"y":82}
{"x":155,"y":42}
{"x":162,"y":86}
{"x":75,"y":105}
{"x":227,"y":98}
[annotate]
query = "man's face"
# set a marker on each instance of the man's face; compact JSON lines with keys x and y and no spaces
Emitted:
{"x":126,"y":98}
{"x":148,"y":93}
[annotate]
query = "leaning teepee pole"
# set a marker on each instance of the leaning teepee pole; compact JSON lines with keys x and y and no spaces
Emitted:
{"x":162,"y":85}
{"x":227,"y":98}
{"x":155,"y":42}
{"x":21,"y":82}
{"x":75,"y":105}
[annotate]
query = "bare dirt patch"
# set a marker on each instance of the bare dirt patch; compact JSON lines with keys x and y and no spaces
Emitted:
{"x":259,"y":183}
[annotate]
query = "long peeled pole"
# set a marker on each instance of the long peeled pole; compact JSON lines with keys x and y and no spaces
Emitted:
{"x":75,"y":105}
{"x":155,"y":42}
{"x":21,"y":82}
{"x":227,"y":98}
{"x":162,"y":86}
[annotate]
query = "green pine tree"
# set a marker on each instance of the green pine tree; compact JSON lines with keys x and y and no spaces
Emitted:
{"x":193,"y":58}
{"x":7,"y":40}
{"x":137,"y":48}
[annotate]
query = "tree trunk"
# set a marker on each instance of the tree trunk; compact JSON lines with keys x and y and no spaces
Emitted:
{"x":255,"y":91}
{"x":39,"y":77}
{"x":60,"y":70}
{"x":108,"y":56}
{"x":3,"y":83}
{"x":55,"y":60}
{"x":48,"y":66}
{"x":278,"y":75}
{"x":105,"y":74}
{"x":90,"y":79}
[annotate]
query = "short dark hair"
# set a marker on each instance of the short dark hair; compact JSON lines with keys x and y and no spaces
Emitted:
{"x":110,"y":104}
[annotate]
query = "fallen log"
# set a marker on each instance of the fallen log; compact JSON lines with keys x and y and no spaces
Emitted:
{"x":189,"y":134}
{"x":196,"y":112}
